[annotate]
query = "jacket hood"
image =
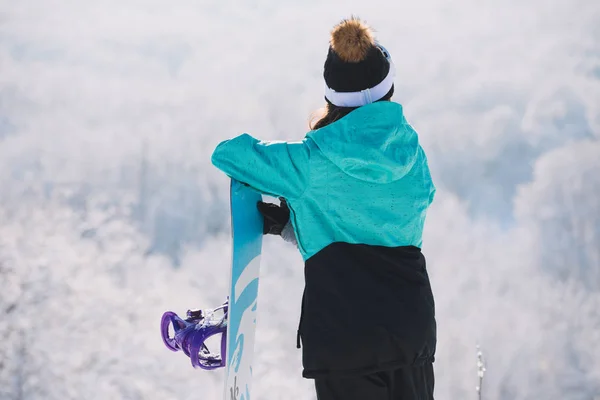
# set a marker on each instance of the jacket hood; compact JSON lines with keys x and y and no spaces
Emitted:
{"x":373,"y":143}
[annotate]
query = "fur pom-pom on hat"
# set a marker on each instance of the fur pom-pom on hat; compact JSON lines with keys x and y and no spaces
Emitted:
{"x":352,"y":39}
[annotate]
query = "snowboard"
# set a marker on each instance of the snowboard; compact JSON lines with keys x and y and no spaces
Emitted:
{"x":247,"y":233}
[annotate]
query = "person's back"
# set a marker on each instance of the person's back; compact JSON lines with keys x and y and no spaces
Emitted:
{"x":357,"y":188}
{"x":369,"y":182}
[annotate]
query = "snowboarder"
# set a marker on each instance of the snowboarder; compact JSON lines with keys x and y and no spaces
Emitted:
{"x":355,"y":192}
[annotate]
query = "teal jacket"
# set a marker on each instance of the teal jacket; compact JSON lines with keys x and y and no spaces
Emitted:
{"x":363,"y":179}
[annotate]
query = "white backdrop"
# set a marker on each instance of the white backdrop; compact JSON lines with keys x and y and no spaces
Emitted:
{"x":110,"y":212}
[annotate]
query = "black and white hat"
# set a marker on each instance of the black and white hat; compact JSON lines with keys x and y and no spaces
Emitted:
{"x":358,"y":70}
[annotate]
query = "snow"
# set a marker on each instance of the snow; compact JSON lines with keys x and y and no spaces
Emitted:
{"x":111,"y":214}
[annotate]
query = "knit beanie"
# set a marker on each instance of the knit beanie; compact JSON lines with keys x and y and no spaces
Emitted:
{"x":358,"y":70}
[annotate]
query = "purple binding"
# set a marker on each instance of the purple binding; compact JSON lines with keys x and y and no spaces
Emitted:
{"x":192,"y":332}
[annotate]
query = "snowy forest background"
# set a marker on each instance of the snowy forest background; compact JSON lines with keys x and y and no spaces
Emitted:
{"x":111,"y":214}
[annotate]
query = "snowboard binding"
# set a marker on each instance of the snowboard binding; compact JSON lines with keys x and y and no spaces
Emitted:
{"x":192,"y":332}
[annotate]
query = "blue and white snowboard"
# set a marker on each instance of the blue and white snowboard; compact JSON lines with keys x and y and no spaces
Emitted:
{"x":247,"y":232}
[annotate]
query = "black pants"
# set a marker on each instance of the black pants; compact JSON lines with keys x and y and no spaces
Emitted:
{"x":402,"y":384}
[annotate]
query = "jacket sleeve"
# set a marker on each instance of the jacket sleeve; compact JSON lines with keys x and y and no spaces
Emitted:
{"x":273,"y":168}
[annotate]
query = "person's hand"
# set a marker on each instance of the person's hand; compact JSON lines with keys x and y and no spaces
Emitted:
{"x":275,"y":216}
